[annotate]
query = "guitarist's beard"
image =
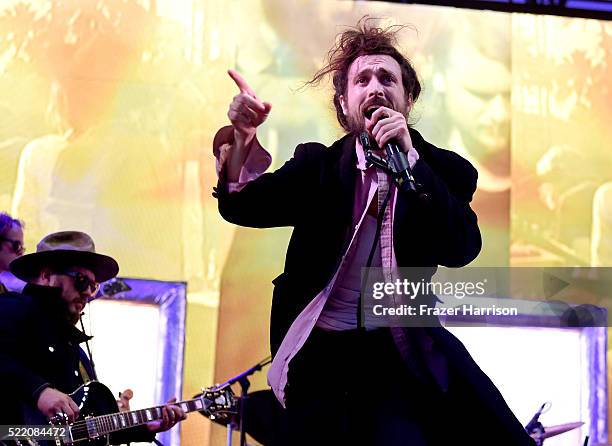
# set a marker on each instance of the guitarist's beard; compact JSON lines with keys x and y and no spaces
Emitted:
{"x":73,"y":310}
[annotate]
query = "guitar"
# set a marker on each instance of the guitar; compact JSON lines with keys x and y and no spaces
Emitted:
{"x":99,"y":415}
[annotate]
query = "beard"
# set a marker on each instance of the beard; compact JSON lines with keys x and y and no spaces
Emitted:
{"x":356,"y":118}
{"x":355,"y":123}
{"x":73,"y":314}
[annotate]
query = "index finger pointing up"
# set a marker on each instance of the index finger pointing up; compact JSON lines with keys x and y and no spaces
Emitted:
{"x":241,"y":83}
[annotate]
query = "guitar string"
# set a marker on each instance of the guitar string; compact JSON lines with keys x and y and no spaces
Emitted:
{"x":82,"y":426}
{"x":105,"y":421}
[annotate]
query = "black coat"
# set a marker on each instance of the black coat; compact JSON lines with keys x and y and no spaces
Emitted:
{"x":39,"y":348}
{"x":314,"y":193}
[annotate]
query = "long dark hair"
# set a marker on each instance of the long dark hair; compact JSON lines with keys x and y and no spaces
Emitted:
{"x":365,"y":39}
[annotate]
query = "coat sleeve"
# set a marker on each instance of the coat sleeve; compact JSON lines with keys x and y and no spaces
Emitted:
{"x":255,"y":164}
{"x":448,"y":192}
{"x":13,"y":346}
{"x":278,"y":198}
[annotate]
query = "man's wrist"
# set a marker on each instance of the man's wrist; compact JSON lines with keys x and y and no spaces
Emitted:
{"x":39,"y":390}
{"x":242,"y":140}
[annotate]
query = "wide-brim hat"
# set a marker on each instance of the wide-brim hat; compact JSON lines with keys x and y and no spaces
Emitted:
{"x":63,"y":250}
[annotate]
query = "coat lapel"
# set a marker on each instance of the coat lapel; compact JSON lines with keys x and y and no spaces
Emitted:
{"x":346,"y":171}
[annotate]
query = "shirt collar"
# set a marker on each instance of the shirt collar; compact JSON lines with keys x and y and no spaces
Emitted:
{"x":362,"y":163}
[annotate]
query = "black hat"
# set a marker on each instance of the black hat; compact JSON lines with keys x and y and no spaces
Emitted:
{"x":65,"y":249}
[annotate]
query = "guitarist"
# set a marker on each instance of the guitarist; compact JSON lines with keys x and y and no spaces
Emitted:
{"x":40,"y":358}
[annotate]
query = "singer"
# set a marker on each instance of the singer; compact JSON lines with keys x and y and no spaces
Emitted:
{"x":343,"y":383}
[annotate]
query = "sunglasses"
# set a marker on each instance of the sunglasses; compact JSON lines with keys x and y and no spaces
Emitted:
{"x":16,"y":245}
{"x":83,"y":283}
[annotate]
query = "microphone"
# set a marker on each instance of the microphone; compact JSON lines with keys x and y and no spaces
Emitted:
{"x":398,"y":162}
{"x":371,"y":157}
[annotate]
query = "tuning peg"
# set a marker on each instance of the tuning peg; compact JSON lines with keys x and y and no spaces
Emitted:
{"x":59,"y":418}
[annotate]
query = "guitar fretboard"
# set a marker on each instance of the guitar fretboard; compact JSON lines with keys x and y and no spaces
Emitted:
{"x":105,"y":424}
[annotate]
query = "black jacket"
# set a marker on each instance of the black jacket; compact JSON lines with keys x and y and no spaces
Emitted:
{"x":39,"y":348}
{"x":314,"y":192}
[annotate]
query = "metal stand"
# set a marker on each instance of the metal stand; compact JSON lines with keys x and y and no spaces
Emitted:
{"x":230,"y":431}
{"x":392,"y":165}
{"x":243,"y":380}
{"x":244,"y":387}
{"x":535,"y":428}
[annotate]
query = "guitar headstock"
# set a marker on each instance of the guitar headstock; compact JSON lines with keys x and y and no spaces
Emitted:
{"x":219,"y":403}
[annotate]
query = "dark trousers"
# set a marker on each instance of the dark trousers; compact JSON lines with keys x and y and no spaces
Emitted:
{"x":352,"y":388}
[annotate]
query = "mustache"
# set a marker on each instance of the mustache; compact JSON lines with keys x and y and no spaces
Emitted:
{"x":374,"y":102}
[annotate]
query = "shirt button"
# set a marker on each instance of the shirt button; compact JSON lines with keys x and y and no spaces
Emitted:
{"x":76,"y":373}
{"x":51,"y":349}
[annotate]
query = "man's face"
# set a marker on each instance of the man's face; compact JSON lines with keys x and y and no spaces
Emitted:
{"x":478,"y":99}
{"x":75,"y":298}
{"x":11,"y":247}
{"x":373,"y":81}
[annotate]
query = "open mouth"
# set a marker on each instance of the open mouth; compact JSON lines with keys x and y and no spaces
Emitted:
{"x":369,"y":111}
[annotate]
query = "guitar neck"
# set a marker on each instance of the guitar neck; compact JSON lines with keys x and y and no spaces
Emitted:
{"x":106,"y":424}
{"x":217,"y":402}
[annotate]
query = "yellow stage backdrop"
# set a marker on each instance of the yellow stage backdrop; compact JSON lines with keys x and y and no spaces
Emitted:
{"x":108,"y":109}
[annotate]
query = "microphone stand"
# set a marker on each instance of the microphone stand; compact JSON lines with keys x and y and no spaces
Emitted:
{"x":243,"y":380}
{"x":534,"y":428}
{"x":389,"y":165}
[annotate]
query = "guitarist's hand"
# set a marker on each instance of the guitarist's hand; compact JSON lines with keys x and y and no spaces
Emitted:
{"x":52,"y":402}
{"x":124,"y":400}
{"x":171,"y":415}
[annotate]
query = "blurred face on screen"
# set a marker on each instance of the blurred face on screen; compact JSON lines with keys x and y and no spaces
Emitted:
{"x":478,"y":99}
{"x":373,"y":81}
